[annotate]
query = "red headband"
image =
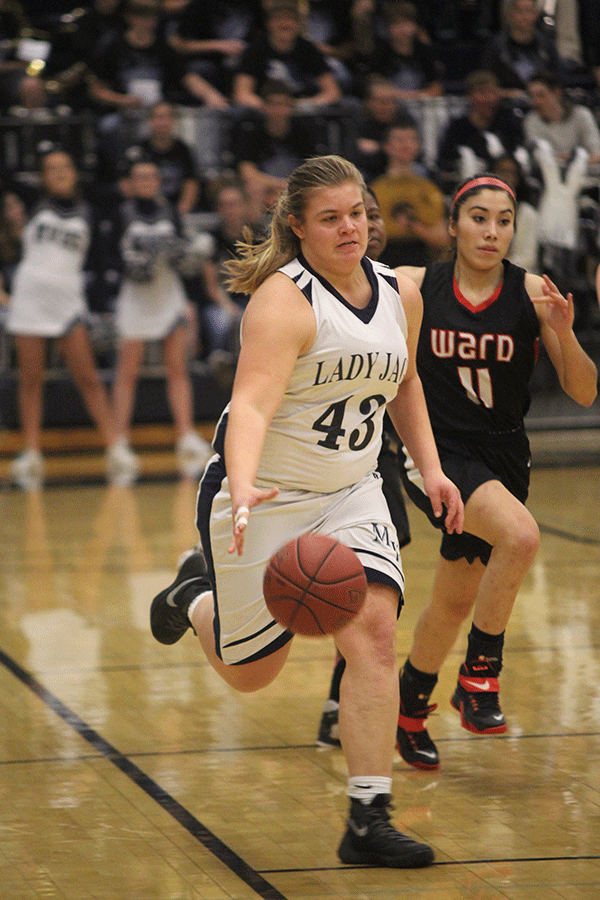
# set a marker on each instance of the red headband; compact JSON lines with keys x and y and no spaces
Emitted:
{"x":484,"y":181}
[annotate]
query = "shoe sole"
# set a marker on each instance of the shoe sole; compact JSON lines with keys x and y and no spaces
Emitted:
{"x":419,"y":860}
{"x":459,"y":707}
{"x":416,"y":764}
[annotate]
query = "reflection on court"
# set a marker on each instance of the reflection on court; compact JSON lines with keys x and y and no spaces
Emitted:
{"x":129,"y":770}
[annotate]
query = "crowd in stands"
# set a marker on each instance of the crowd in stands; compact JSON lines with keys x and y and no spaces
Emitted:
{"x":520,"y":78}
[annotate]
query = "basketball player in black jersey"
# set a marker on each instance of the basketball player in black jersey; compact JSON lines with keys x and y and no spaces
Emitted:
{"x":478,"y":345}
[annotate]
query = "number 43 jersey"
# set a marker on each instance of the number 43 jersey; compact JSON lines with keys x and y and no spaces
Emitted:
{"x":476,"y":362}
{"x":326,"y":433}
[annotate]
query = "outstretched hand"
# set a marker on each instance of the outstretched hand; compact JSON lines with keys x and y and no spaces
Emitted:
{"x":240,"y":511}
{"x":560,"y":309}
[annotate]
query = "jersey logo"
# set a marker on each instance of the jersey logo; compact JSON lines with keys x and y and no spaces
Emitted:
{"x":387,"y":368}
{"x":446,"y":344}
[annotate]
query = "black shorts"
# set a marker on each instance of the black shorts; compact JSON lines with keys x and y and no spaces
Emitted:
{"x":470,"y":463}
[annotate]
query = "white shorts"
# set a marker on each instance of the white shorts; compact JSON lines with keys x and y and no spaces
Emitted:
{"x":358,"y":516}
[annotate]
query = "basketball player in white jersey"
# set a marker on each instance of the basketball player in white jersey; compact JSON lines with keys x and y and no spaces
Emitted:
{"x":328,"y":342}
{"x":47,"y":301}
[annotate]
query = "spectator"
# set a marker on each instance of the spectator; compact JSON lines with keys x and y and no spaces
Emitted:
{"x":378,"y":110}
{"x":566,"y":20}
{"x":13,"y":219}
{"x":280,"y":52}
{"x":589,"y":33}
{"x":47,"y":302}
{"x":525,"y":246}
{"x":337,"y":28}
{"x":13,"y":24}
{"x":270,"y":144}
{"x":459,"y":21}
{"x":554,"y":118}
{"x":488,"y":129}
{"x":403,"y":57}
{"x":221,"y":317}
{"x":412,"y":206}
{"x":520,"y":49}
{"x":135,"y":68}
{"x":210,"y":37}
{"x":180,"y":183}
{"x":79,"y":34}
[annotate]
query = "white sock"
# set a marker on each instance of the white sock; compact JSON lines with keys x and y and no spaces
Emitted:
{"x":195,"y":603}
{"x":367,"y":787}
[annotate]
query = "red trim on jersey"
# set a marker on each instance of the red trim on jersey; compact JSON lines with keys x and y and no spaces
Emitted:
{"x":475,"y":308}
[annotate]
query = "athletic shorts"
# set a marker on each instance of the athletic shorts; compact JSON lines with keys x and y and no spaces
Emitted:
{"x":469,"y":464}
{"x":358,"y":516}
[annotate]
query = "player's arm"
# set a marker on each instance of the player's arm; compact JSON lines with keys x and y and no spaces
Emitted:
{"x":408,"y":412}
{"x":576,"y":372}
{"x":277,"y":327}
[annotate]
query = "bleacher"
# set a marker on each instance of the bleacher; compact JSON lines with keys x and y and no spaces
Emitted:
{"x":209,"y":133}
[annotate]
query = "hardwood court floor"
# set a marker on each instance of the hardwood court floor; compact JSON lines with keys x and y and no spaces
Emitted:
{"x":129,"y":771}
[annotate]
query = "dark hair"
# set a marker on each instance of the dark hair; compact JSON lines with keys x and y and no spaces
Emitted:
{"x":403,"y":119}
{"x":401,"y":11}
{"x":545,"y":76}
{"x":480,"y":78}
{"x":485,"y":181}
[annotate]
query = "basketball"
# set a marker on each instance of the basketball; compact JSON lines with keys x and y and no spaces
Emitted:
{"x":314,"y":585}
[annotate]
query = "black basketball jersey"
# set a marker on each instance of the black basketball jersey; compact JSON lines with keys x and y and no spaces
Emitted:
{"x":476,"y":362}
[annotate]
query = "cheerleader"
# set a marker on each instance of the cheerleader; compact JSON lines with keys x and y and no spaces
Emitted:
{"x":47,"y":302}
{"x":152,"y":306}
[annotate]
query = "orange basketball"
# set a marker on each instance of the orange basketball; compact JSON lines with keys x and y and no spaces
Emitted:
{"x":314,"y":585}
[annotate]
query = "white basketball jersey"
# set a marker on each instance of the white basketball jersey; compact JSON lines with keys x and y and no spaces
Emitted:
{"x":326,"y":433}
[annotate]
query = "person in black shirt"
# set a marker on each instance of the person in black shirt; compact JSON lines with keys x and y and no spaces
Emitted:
{"x":270,"y":144}
{"x":79,"y":35}
{"x":179,"y":173}
{"x":488,"y":129}
{"x":520,"y":49}
{"x":482,"y":320}
{"x":136,"y":68}
{"x":209,"y":38}
{"x":280,"y":52}
{"x":379,"y":108}
{"x":403,"y":57}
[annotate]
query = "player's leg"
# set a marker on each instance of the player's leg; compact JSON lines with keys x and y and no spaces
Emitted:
{"x":367,"y":720}
{"x":496,"y":516}
{"x":329,"y":731}
{"x":388,"y":466}
{"x":455,"y":587}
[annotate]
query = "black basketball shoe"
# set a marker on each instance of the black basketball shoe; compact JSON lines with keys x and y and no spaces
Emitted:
{"x":413,"y":742}
{"x":371,"y":839}
{"x":168,"y":613}
{"x":476,"y":698}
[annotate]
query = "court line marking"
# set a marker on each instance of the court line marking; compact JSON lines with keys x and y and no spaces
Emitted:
{"x":211,"y":842}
